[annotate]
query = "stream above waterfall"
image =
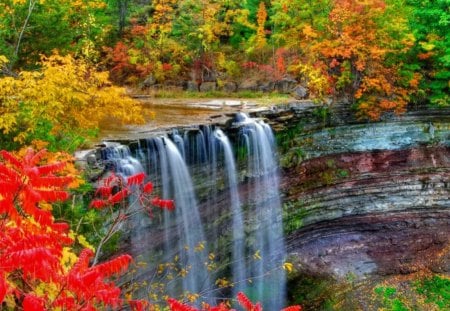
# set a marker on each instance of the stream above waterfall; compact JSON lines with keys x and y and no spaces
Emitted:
{"x":165,"y":114}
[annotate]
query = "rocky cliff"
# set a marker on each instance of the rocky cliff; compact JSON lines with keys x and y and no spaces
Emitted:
{"x":364,"y":201}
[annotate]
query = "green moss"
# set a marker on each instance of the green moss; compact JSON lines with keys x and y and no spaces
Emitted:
{"x":436,"y":290}
{"x":293,"y":215}
{"x":390,"y":300}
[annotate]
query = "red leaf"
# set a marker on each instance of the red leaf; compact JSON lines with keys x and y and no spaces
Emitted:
{"x":98,"y":204}
{"x":11,"y":159}
{"x":136,"y":179}
{"x":168,"y":204}
{"x":8,"y":188}
{"x":119,"y":196}
{"x":109,"y":296}
{"x":8,"y":172}
{"x":113,"y":179}
{"x":50,"y":168}
{"x":104,"y":191}
{"x":114,"y":266}
{"x":61,"y":227}
{"x":33,"y":303}
{"x":156,"y":201}
{"x":148,"y":187}
{"x":31,"y":195}
{"x":65,"y":303}
{"x":51,"y":181}
{"x":164,"y":204}
{"x":293,"y":308}
{"x":244,"y":301}
{"x":83,"y":261}
{"x":175,"y":305}
{"x":53,"y":195}
{"x":45,"y":218}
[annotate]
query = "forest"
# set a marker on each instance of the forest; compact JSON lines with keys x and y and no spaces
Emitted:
{"x":67,"y":65}
{"x":379,"y":56}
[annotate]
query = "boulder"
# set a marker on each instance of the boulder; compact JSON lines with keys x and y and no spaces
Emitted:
{"x":267,"y":87}
{"x":249,"y":85}
{"x":300,"y":92}
{"x":208,"y":87}
{"x":149,"y":81}
{"x":192,"y":86}
{"x":229,"y":87}
{"x":285,"y":85}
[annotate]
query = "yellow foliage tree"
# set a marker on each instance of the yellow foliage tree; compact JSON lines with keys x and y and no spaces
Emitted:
{"x":260,"y":33}
{"x":66,"y":93}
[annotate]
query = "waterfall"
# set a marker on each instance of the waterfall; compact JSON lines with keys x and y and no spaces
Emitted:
{"x":238,"y":264}
{"x":226,"y":209}
{"x":118,"y":158}
{"x":265,"y":215}
{"x":191,"y":236}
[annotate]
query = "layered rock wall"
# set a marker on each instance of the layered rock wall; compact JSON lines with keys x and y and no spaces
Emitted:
{"x":366,"y":199}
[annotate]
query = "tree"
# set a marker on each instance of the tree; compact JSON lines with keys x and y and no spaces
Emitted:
{"x":357,"y":54}
{"x":430,"y":21}
{"x":261,"y":32}
{"x":293,"y":21}
{"x":29,"y":28}
{"x":66,"y":100}
{"x":39,"y":270}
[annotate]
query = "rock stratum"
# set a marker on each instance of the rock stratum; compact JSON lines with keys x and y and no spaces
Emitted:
{"x":365,"y":201}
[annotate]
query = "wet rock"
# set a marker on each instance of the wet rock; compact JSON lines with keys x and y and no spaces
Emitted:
{"x":369,"y":214}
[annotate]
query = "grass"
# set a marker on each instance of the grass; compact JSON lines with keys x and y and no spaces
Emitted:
{"x":180,"y":94}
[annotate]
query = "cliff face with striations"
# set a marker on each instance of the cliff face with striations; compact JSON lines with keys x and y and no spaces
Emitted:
{"x":362,"y":201}
{"x":366,"y":200}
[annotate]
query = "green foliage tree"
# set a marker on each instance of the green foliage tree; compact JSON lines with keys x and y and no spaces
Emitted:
{"x":430,"y":21}
{"x":29,"y":28}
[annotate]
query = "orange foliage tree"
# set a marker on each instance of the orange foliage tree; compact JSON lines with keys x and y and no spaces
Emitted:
{"x":356,"y":54}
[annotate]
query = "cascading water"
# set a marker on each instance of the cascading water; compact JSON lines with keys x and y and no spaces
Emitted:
{"x":265,"y":217}
{"x":187,"y":213}
{"x":118,"y":158}
{"x":245,"y":232}
{"x":238,"y":265}
{"x":175,"y":182}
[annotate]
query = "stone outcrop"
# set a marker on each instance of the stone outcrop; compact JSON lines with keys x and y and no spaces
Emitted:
{"x":366,"y":200}
{"x":375,"y":212}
